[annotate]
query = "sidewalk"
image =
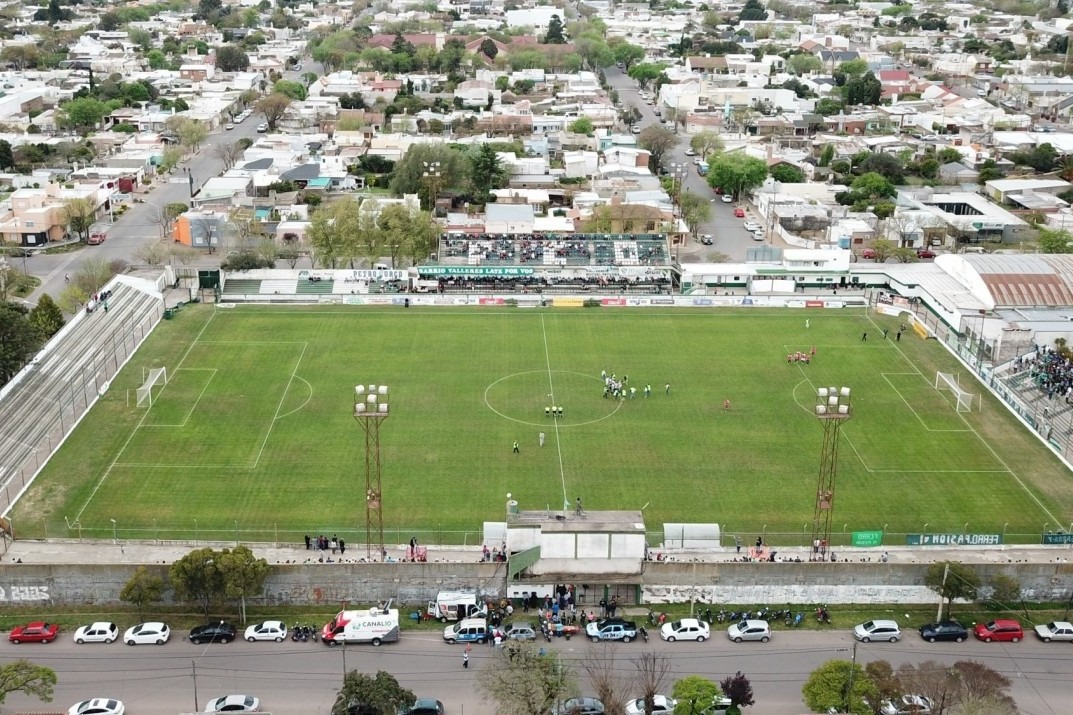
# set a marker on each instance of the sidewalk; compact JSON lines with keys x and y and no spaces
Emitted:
{"x":61,"y":551}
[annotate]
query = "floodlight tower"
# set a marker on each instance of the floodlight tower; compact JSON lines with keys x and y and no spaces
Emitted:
{"x":370,"y":410}
{"x":832,"y":409}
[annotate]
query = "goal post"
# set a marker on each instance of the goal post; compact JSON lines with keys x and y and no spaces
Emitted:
{"x":158,"y":377}
{"x":948,"y":382}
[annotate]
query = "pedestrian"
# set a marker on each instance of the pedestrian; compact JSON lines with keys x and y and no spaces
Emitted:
{"x":66,"y":277}
{"x":577,"y":508}
{"x":334,"y":544}
{"x":864,"y":337}
{"x":885,"y":331}
{"x":898,"y":337}
{"x":413,"y":547}
{"x":737,"y":544}
{"x":342,"y":547}
{"x":541,"y":439}
{"x":465,"y":657}
{"x":667,"y":389}
{"x":648,"y":390}
{"x":806,"y":324}
{"x":759,"y":541}
{"x":726,"y":405}
{"x":633,"y":393}
{"x":309,"y":543}
{"x":516,"y":446}
{"x":560,"y":413}
{"x":547,"y":412}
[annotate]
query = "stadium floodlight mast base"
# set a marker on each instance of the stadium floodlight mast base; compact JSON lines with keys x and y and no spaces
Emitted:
{"x":370,"y":411}
{"x":832,"y":409}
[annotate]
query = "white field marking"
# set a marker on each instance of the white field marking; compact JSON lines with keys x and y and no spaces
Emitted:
{"x":299,"y":407}
{"x":984,"y":442}
{"x":134,"y":431}
{"x":282,"y":397}
{"x":193,"y":407}
{"x":551,"y":390}
{"x":915,"y":413}
{"x":488,"y":404}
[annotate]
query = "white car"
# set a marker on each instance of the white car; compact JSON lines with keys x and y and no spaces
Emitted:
{"x":690,"y":152}
{"x":877,"y":630}
{"x":229,"y":126}
{"x":750,"y":630}
{"x":267,"y":631}
{"x":100,"y":632}
{"x":907,"y":705}
{"x":1055,"y":631}
{"x":233,"y":704}
{"x":728,"y":199}
{"x":262,"y":127}
{"x":687,"y":629}
{"x":151,"y":633}
{"x":758,"y":235}
{"x":661,"y":704}
{"x":97,"y":706}
{"x":751,"y":226}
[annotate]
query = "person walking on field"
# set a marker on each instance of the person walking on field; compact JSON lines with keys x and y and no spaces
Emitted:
{"x":864,"y":337}
{"x":516,"y":446}
{"x":667,"y":389}
{"x":726,"y":405}
{"x":541,"y":439}
{"x":806,"y":324}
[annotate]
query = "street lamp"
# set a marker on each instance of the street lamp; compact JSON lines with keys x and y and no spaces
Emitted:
{"x":832,"y":408}
{"x":370,"y":410}
{"x":432,"y":176}
{"x":115,"y":533}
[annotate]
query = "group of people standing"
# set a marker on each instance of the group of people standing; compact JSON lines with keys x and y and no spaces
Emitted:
{"x":323,"y":543}
{"x":616,"y":389}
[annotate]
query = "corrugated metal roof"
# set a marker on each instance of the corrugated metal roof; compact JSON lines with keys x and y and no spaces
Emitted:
{"x":1026,"y":280}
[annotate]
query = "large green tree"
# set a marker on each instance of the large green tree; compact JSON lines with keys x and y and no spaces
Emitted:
{"x":696,"y":209}
{"x":46,"y":316}
{"x":273,"y":107}
{"x":232,"y":58}
{"x":1055,"y":241}
{"x":82,"y":114}
{"x":425,"y":167}
{"x":952,"y":580}
{"x":143,"y":588}
{"x":555,"y":35}
{"x":197,"y":577}
{"x":694,"y":694}
{"x":524,"y":680}
{"x":787,"y":174}
{"x":333,"y":232}
{"x":486,"y":172}
{"x":244,"y":575}
{"x":736,"y":174}
{"x":364,"y":694}
{"x":22,"y":676}
{"x":657,"y":141}
{"x":706,"y":142}
{"x":628,"y":54}
{"x":19,"y":340}
{"x":839,"y":684}
{"x":646,"y":73}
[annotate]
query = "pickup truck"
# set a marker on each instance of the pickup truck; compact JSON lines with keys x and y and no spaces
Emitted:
{"x":616,"y":630}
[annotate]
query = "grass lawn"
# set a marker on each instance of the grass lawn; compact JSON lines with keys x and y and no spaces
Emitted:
{"x":254,"y":435}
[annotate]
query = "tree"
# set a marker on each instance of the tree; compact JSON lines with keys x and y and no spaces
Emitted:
{"x":364,"y":694}
{"x":294,"y":90}
{"x":244,"y":575}
{"x":486,"y":172}
{"x":883,"y":249}
{"x":787,"y":174}
{"x":628,"y":54}
{"x":839,"y":684}
{"x":964,"y":687}
{"x":197,"y":577}
{"x":903,"y":254}
{"x":706,"y":142}
{"x":427,"y":168}
{"x":46,"y":316}
{"x":607,"y":677}
{"x":191,"y":132}
{"x":151,"y":254}
{"x":694,"y":694}
{"x":740,"y":691}
{"x":522,"y":679}
{"x":228,"y":153}
{"x":696,"y":209}
{"x":143,"y":588}
{"x":645,"y":73}
{"x":657,"y":141}
{"x":19,"y":338}
{"x":863,"y":90}
{"x":1005,"y":591}
{"x":652,"y":673}
{"x":803,"y":63}
{"x":581,"y":125}
{"x":273,"y":107}
{"x":232,"y":58}
{"x":752,"y":11}
{"x":736,"y":174}
{"x":555,"y":32}
{"x":952,"y":580}
{"x":872,"y":186}
{"x":79,"y":215}
{"x":333,"y":232}
{"x":827,"y":154}
{"x":7,"y":156}
{"x":489,"y":48}
{"x":82,"y":114}
{"x":828,"y":107}
{"x":22,"y":676}
{"x":886,"y":165}
{"x":21,"y":57}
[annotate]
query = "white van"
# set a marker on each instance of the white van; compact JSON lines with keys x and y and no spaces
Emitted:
{"x":453,"y":605}
{"x":374,"y":625}
{"x":468,"y":630}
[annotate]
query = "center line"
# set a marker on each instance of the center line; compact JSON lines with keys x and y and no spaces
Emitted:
{"x":551,"y":396}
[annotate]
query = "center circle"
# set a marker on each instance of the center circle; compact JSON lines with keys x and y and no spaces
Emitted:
{"x":523,"y":397}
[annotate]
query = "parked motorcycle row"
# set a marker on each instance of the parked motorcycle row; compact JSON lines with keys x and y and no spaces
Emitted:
{"x":762,"y":613}
{"x":303,"y":633}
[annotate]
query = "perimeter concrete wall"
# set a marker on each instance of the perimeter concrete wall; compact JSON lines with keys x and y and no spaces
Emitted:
{"x":409,"y":583}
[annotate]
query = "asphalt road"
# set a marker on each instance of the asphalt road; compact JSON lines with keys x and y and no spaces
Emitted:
{"x":726,"y":230}
{"x":304,"y":677}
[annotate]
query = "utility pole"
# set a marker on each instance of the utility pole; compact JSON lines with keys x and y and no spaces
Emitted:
{"x":852,"y":676}
{"x":942,"y":591}
{"x":193,"y":668}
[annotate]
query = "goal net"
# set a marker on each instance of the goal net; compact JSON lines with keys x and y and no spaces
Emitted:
{"x":158,"y":377}
{"x":946,"y":381}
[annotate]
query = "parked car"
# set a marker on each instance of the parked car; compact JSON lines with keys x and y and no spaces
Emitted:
{"x":1055,"y":631}
{"x":739,"y":212}
{"x":521,"y":631}
{"x":907,"y":705}
{"x":229,"y":126}
{"x":751,"y":226}
{"x":1000,"y":629}
{"x":233,"y":704}
{"x":267,"y":631}
{"x":868,"y":253}
{"x":758,"y":235}
{"x":944,"y":631}
{"x":35,"y":632}
{"x":925,"y":253}
{"x":423,"y":706}
{"x":879,"y":630}
{"x":750,"y":630}
{"x":686,"y":629}
{"x":611,"y":630}
{"x":212,"y":632}
{"x":661,"y":704}
{"x":262,"y":127}
{"x":707,"y":239}
{"x":98,"y":706}
{"x":636,"y":129}
{"x":579,"y":706}
{"x":99,"y":632}
{"x":728,"y":199}
{"x":151,"y":633}
{"x":690,"y":152}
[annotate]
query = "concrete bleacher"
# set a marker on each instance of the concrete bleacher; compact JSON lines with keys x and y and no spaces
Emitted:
{"x":242,"y":286}
{"x":281,"y":286}
{"x":45,"y":400}
{"x":321,"y":287}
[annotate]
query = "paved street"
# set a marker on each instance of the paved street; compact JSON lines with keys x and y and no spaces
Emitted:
{"x":303,"y":677}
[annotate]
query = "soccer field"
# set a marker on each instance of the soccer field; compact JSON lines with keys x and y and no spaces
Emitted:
{"x":254,"y":435}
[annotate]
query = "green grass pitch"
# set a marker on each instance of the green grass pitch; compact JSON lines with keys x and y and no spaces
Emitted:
{"x":254,"y":435}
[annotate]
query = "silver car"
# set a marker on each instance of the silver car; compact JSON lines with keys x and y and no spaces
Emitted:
{"x":750,"y":630}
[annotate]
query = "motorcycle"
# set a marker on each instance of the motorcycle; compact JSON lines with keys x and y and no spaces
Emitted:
{"x":721,"y":616}
{"x":644,"y":633}
{"x":822,"y":615}
{"x":296,"y":633}
{"x":708,"y":616}
{"x":313,"y":634}
{"x":798,"y":618}
{"x":789,"y":620}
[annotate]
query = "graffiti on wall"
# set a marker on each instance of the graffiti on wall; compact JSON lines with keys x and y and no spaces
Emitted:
{"x":24,"y":593}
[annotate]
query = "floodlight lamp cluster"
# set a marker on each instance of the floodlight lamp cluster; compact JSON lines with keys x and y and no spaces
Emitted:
{"x":370,"y":401}
{"x":833,"y":402}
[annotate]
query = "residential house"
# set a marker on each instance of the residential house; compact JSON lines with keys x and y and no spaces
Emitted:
{"x":200,"y":228}
{"x":509,"y":218}
{"x":957,"y":173}
{"x":38,"y":216}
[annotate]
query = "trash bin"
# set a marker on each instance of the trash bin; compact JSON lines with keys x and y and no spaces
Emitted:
{"x":168,"y":313}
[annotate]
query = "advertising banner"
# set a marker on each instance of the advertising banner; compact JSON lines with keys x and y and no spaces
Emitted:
{"x":1050,"y":539}
{"x":953,"y":539}
{"x":613,"y":301}
{"x":867,"y":538}
{"x":568,"y":302}
{"x":814,"y":304}
{"x":436,"y":271}
{"x":489,"y":301}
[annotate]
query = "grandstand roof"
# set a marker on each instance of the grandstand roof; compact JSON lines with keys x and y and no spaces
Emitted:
{"x":1015,"y":280}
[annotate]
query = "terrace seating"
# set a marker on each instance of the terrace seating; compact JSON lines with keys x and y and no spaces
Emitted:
{"x":279,"y":286}
{"x":242,"y":286}
{"x":320,"y":287}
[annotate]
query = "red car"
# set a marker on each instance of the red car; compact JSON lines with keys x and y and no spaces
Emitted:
{"x":36,"y":632}
{"x":868,"y":253}
{"x":925,"y":253}
{"x":1000,"y":629}
{"x":739,"y":213}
